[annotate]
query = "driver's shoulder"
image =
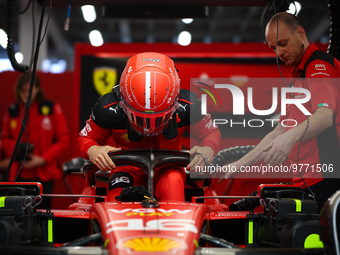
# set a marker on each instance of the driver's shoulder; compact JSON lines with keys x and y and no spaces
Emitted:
{"x":109,"y":98}
{"x":108,"y":103}
{"x":106,"y":112}
{"x":187,"y":95}
{"x":187,"y":98}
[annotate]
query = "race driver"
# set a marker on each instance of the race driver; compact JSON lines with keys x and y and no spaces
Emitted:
{"x":148,"y":109}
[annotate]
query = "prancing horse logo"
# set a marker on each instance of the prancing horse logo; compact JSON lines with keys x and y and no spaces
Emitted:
{"x":104,"y":78}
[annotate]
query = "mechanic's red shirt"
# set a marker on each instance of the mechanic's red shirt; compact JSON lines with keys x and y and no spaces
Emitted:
{"x":46,"y":129}
{"x":318,"y":72}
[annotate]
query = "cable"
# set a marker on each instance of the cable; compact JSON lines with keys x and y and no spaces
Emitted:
{"x":46,"y":26}
{"x":28,"y":103}
{"x":45,"y":30}
{"x":303,"y":135}
{"x":10,"y":39}
{"x":282,"y":6}
{"x":262,"y":19}
{"x":26,"y":136}
{"x":33,"y":36}
{"x":204,"y":157}
{"x":25,"y":9}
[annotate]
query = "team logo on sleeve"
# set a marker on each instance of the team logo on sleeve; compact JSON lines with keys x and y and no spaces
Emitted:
{"x":320,"y":67}
{"x":13,"y":124}
{"x":45,"y":110}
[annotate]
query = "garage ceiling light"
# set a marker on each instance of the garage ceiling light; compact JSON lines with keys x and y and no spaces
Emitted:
{"x":89,"y":13}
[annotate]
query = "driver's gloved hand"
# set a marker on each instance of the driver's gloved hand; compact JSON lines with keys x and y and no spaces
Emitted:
{"x":133,"y":194}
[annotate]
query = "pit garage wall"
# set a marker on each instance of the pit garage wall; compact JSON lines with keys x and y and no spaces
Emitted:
{"x":76,"y":92}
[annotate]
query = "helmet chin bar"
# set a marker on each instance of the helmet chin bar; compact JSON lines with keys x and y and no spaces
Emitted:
{"x":145,"y":123}
{"x":154,"y":133}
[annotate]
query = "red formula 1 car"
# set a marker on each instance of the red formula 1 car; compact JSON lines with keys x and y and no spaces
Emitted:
{"x":285,"y":223}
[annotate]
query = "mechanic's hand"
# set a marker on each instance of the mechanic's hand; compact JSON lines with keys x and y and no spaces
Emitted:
{"x":22,"y":150}
{"x":233,"y":168}
{"x":278,"y":149}
{"x":133,"y":194}
{"x":199,"y":152}
{"x":35,"y":161}
{"x":99,"y":156}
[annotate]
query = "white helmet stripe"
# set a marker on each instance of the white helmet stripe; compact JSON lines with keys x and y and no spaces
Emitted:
{"x":147,"y":89}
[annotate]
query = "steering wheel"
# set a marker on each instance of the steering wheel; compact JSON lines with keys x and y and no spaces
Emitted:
{"x":146,"y":159}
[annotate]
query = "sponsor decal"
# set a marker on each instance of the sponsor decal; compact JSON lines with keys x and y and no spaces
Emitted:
{"x":324,"y":104}
{"x":156,"y":244}
{"x":320,"y":67}
{"x":13,"y":124}
{"x":85,"y":130}
{"x":150,"y":212}
{"x":151,"y":59}
{"x":320,"y":73}
{"x":104,"y":79}
{"x":45,"y":110}
{"x":151,"y":225}
{"x":182,"y":107}
{"x":173,"y":81}
{"x":46,"y":123}
{"x":115,"y":109}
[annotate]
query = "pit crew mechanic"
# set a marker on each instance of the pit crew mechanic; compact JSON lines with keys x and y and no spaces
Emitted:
{"x":320,"y":146}
{"x":147,"y":110}
{"x":47,"y":133}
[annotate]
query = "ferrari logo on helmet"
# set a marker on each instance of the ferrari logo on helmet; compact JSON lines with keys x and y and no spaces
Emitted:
{"x":104,"y":78}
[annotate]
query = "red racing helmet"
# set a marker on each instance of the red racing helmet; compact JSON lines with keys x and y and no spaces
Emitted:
{"x":149,"y":88}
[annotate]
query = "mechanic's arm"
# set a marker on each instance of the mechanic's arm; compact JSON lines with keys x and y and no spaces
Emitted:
{"x":275,"y":147}
{"x":257,"y":154}
{"x":279,"y":148}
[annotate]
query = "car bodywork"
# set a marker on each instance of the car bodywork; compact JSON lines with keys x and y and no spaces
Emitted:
{"x":94,"y":225}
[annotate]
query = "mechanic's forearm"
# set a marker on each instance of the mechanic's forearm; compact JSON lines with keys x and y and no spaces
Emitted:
{"x":257,"y":154}
{"x":321,"y":120}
